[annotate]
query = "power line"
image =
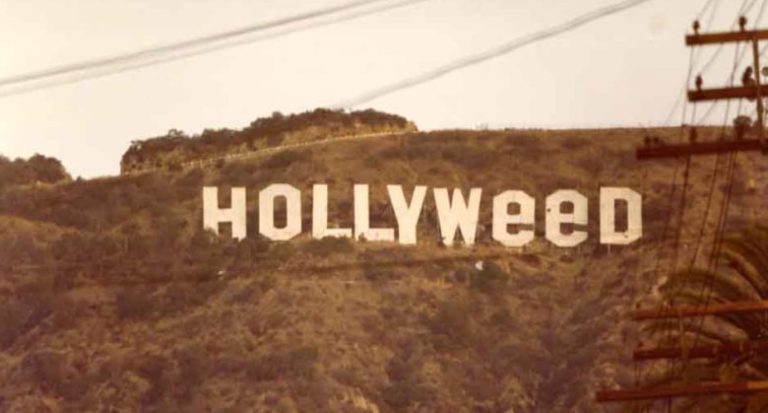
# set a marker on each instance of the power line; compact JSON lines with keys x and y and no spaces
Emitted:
{"x":744,"y":8}
{"x":704,"y":10}
{"x":186,"y":44}
{"x":170,"y":57}
{"x":691,"y":59}
{"x":493,"y":53}
{"x":760,"y":13}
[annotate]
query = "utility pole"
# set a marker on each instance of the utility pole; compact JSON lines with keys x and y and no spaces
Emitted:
{"x":750,"y":141}
{"x":758,"y":92}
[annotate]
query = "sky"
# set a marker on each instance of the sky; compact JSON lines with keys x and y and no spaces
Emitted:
{"x":624,"y":70}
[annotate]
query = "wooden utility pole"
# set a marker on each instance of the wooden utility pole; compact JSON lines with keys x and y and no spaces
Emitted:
{"x":758,"y":92}
{"x":746,"y":91}
{"x":751,"y":88}
{"x":703,"y":39}
{"x":751,"y":142}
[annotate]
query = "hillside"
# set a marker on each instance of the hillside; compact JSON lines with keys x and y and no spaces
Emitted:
{"x":176,"y":149}
{"x":116,"y":300}
{"x":36,"y":170}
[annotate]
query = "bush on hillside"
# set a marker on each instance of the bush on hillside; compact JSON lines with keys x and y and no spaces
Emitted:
{"x":286,"y":158}
{"x":134,"y":304}
{"x":408,"y":385}
{"x":38,"y":168}
{"x":295,"y":362}
{"x":329,"y":246}
{"x":54,"y":372}
{"x":452,"y":325}
{"x":270,"y":129}
{"x":491,"y":279}
{"x":21,"y":314}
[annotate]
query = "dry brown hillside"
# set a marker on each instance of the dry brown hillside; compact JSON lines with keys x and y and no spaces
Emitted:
{"x":116,"y":301}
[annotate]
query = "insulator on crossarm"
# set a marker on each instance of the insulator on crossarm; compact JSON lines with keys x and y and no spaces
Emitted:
{"x":742,"y":23}
{"x":696,"y":26}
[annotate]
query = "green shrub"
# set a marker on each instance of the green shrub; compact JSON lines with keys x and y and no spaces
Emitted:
{"x":491,"y":279}
{"x":38,"y":168}
{"x":134,"y":304}
{"x":296,"y":362}
{"x":193,"y":367}
{"x":19,"y":247}
{"x":502,"y":319}
{"x":52,"y":370}
{"x":286,"y":158}
{"x":576,"y":143}
{"x":281,"y":251}
{"x":12,"y":319}
{"x":404,"y":394}
{"x":407,"y":382}
{"x":452,"y":326}
{"x":19,"y":315}
{"x":185,"y":295}
{"x":469,"y":156}
{"x":157,"y":370}
{"x":275,"y":140}
{"x":329,"y":246}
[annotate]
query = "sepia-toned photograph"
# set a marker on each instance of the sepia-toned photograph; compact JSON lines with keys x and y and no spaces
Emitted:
{"x":384,"y":206}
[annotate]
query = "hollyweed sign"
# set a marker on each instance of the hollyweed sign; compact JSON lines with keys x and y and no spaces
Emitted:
{"x":457,"y":215}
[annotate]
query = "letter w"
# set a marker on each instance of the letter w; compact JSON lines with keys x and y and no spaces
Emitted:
{"x":457,"y":214}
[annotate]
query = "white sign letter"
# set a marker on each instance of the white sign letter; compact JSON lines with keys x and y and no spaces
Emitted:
{"x":502,"y":218}
{"x":320,"y":215}
{"x":267,"y":212}
{"x":455,"y":213}
{"x":555,"y":218}
{"x":407,"y":215}
{"x":213,"y":215}
{"x":608,"y":233}
{"x":362,"y":219}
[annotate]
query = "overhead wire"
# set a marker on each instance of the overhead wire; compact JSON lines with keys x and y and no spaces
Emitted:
{"x":722,"y":217}
{"x":713,"y":180}
{"x":185,"y":44}
{"x":700,"y":16}
{"x":170,"y":57}
{"x":686,"y":172}
{"x":693,"y":55}
{"x":705,"y":291}
{"x":490,"y":54}
{"x":744,"y":8}
{"x":718,"y":229}
{"x":715,"y":253}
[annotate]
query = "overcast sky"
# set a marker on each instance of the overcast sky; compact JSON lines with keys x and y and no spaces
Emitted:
{"x":626,"y":69}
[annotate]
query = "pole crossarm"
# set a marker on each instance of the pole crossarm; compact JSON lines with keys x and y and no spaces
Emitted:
{"x":738,"y":92}
{"x":701,"y":310}
{"x":703,"y":351}
{"x":702,"y":39}
{"x":749,"y":136}
{"x":702,"y":389}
